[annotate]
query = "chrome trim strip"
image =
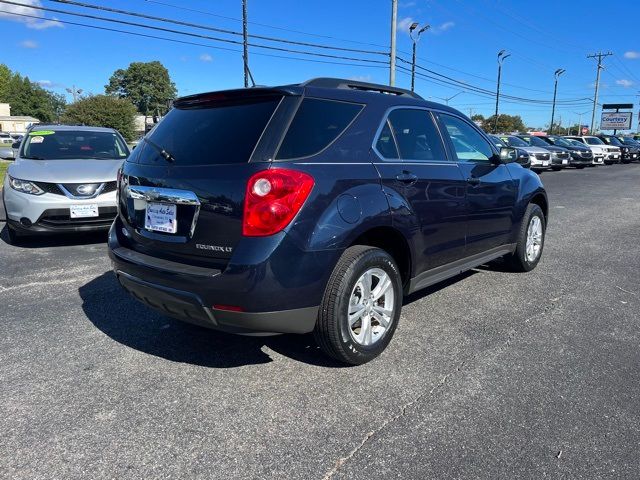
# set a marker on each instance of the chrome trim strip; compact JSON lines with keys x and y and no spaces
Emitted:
{"x":166,"y":195}
{"x":159,"y":194}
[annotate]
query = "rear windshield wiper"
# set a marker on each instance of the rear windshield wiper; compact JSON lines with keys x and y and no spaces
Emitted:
{"x":163,"y":153}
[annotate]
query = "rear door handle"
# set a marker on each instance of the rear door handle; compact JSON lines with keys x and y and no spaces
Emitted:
{"x":407,"y":177}
{"x":473,"y":181}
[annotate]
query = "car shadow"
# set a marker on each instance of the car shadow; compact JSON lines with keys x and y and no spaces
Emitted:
{"x":125,"y":320}
{"x":55,"y":239}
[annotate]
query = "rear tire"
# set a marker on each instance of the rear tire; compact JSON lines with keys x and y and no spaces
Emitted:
{"x":361,"y":306}
{"x":580,"y":167}
{"x":530,"y":241}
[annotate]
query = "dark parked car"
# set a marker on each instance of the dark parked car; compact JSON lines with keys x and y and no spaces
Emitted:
{"x":315,"y":208}
{"x":581,"y":155}
{"x":628,"y":146}
{"x":560,"y":156}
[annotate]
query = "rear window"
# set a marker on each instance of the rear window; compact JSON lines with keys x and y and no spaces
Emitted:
{"x":316,"y":124}
{"x":210,"y":135}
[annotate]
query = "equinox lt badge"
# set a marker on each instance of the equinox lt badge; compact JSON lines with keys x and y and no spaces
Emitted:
{"x":215,"y":248}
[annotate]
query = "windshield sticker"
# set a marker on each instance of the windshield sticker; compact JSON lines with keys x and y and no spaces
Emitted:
{"x":41,"y":132}
{"x":38,"y":139}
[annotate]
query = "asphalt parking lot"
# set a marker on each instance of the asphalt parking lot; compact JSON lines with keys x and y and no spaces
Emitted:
{"x":489,"y":375}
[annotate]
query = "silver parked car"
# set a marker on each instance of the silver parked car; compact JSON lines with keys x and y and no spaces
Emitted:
{"x":63,"y":180}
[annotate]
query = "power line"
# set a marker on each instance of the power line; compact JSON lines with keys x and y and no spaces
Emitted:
{"x":197,"y":35}
{"x":185,"y":42}
{"x":204,"y":27}
{"x":301,"y":32}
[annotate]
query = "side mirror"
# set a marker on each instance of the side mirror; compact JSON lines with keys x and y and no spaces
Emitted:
{"x":15,"y":145}
{"x":508,"y":154}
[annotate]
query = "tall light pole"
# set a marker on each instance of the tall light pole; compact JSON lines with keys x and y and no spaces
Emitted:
{"x":447,"y":99}
{"x":502,"y":55}
{"x":392,"y":59}
{"x":580,"y":114}
{"x":75,"y":92}
{"x":557,"y":74}
{"x":415,"y":39}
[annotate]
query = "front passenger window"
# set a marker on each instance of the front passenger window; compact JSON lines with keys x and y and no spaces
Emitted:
{"x":467,"y":142}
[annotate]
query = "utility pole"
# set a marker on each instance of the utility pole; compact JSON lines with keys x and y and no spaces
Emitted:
{"x":599,"y":56}
{"x":415,"y":39}
{"x":557,"y":73}
{"x":580,"y":114}
{"x":501,"y":57}
{"x":392,"y":60}
{"x":245,"y":42}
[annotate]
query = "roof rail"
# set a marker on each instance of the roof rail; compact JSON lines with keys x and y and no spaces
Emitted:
{"x":326,"y":82}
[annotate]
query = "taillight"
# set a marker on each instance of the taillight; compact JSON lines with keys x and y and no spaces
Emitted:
{"x":272,"y":199}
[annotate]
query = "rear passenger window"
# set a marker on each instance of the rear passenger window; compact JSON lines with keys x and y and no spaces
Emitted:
{"x":416,"y":135}
{"x":386,"y":145}
{"x":317,"y":123}
{"x":467,"y":142}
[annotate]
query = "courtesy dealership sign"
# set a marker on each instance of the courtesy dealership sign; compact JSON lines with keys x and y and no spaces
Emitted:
{"x":615,"y":121}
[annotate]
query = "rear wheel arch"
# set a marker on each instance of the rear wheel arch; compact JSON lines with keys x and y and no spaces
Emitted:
{"x":391,"y":241}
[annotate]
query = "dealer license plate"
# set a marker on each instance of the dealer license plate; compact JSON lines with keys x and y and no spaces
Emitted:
{"x":161,"y":217}
{"x":85,"y":210}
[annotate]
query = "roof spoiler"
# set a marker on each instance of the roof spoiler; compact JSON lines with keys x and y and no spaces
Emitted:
{"x":326,"y":82}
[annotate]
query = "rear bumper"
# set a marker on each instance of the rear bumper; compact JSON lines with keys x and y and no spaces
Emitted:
{"x":272,"y":293}
{"x":190,"y":308}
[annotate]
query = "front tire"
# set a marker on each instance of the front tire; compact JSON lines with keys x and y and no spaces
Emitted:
{"x":530,"y":241}
{"x":12,"y":236}
{"x":361,"y":306}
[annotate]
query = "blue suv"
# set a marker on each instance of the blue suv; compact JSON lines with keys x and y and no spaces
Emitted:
{"x":315,"y":208}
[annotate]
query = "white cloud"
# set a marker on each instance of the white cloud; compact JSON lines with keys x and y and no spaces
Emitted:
{"x":624,"y":83}
{"x":28,"y":44}
{"x":443,"y":27}
{"x":44,"y":83}
{"x":205,"y":57}
{"x":631,"y":54}
{"x":40,"y":23}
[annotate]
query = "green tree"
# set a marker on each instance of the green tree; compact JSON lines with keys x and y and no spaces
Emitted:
{"x":28,"y":98}
{"x":147,"y":85}
{"x":478,"y":118}
{"x":506,"y":124}
{"x":103,"y":111}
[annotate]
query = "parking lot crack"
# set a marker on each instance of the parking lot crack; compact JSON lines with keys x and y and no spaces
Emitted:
{"x":401,"y":413}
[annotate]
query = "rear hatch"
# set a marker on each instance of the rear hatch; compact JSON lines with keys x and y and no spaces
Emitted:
{"x":182,"y":188}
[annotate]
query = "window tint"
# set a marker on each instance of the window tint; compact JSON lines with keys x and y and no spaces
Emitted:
{"x":386,"y":145}
{"x":69,"y":144}
{"x":317,"y":123}
{"x":221,"y":134}
{"x":416,"y":135}
{"x":594,"y":141}
{"x":467,"y":142}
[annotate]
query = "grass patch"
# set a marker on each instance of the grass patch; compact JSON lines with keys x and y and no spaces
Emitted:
{"x":3,"y":169}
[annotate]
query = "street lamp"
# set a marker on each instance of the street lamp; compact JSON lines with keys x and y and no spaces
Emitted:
{"x":557,"y":74}
{"x":75,"y":92}
{"x":502,"y":55}
{"x":446,"y":99}
{"x":415,"y":39}
{"x":579,"y":132}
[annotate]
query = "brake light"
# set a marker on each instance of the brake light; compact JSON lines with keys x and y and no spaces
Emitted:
{"x":272,"y":199}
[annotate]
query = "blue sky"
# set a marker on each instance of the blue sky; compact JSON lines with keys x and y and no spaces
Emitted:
{"x":463,"y":42}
